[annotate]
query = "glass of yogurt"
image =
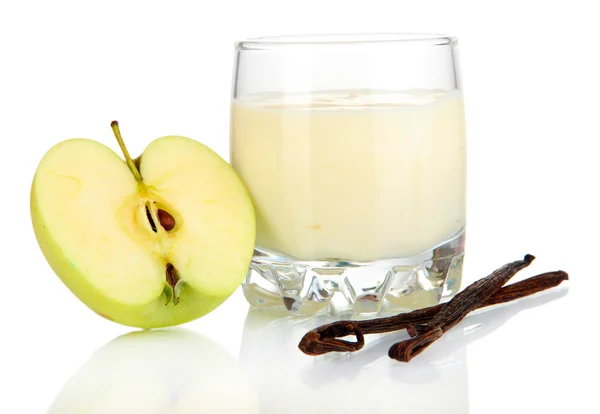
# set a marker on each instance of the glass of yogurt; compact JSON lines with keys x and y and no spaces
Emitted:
{"x":353,"y":150}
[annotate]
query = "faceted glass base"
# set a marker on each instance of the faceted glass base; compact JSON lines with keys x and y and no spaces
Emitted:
{"x":307,"y":287}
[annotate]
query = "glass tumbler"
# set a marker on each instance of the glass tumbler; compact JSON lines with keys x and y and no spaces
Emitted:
{"x":353,"y":150}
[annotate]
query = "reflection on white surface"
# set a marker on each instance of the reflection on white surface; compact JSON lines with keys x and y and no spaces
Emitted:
{"x":367,"y":381}
{"x":434,"y":382}
{"x":177,"y":371}
{"x":155,"y":372}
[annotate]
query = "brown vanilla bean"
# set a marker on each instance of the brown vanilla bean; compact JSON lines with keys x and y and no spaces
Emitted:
{"x":471,"y":298}
{"x":405,"y":351}
{"x":527,"y":287}
{"x":326,"y":339}
{"x":323,"y":339}
{"x":455,"y":311}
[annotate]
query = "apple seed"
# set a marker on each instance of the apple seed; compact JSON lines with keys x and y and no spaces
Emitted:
{"x":172,"y":278}
{"x":166,"y":220}
{"x":150,"y":219}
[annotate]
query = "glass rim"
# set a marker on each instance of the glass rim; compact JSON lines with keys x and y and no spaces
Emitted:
{"x":345,"y":39}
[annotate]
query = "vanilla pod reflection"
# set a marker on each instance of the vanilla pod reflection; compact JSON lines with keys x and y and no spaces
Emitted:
{"x":368,"y":380}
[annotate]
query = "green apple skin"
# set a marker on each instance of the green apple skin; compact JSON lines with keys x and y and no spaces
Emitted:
{"x":201,"y":293}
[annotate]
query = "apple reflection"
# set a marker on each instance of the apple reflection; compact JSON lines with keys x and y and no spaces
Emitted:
{"x":155,"y":372}
{"x":436,"y":381}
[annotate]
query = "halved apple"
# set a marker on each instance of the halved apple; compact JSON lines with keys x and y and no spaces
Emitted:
{"x":154,"y":242}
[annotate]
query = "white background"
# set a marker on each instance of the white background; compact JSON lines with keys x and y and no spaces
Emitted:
{"x":531,"y":77}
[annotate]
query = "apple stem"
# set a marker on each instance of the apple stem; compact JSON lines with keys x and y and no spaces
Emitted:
{"x":130,"y":163}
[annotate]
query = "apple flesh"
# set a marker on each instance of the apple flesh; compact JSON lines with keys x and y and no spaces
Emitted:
{"x":153,"y":247}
